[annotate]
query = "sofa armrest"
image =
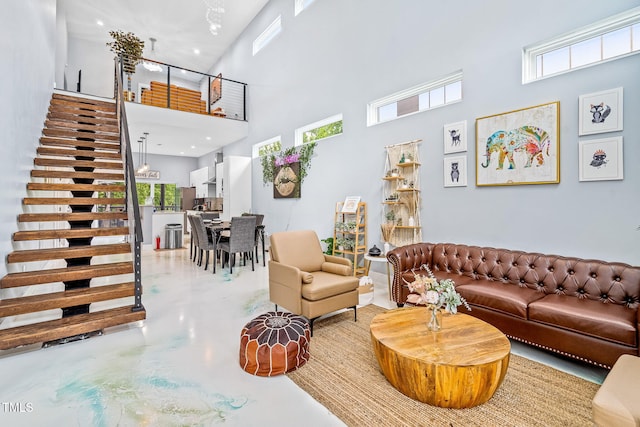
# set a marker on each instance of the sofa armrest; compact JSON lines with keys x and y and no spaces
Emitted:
{"x":286,"y":275}
{"x":407,"y":258}
{"x":337,"y":260}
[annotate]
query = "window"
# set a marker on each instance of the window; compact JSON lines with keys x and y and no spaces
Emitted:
{"x":300,"y":5}
{"x":423,"y":97}
{"x":267,"y":35}
{"x":165,"y":197}
{"x":609,"y":39}
{"x":322,"y":129}
{"x":272,"y":145}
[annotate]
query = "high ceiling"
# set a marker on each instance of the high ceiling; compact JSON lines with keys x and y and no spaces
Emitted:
{"x":179,"y":27}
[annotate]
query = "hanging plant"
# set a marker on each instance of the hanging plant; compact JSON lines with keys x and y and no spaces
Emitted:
{"x":272,"y":160}
{"x":129,"y":46}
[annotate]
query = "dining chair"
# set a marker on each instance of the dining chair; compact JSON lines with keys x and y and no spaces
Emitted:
{"x":259,"y":235}
{"x":194,"y":247}
{"x":210,"y":215}
{"x":242,"y":239}
{"x":205,"y":242}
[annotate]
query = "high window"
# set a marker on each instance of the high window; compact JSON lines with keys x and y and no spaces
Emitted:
{"x":272,"y":145}
{"x":300,"y":5}
{"x":426,"y":96}
{"x":613,"y":38}
{"x":267,"y":35}
{"x":331,"y":126}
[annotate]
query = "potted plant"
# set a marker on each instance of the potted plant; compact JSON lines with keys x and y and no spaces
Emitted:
{"x":391,"y":216}
{"x":129,"y":47}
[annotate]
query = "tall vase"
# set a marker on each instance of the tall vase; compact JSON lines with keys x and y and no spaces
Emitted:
{"x":435,"y":319}
{"x":387,"y":247}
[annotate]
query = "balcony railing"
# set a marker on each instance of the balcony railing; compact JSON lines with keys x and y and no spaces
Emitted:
{"x":168,"y":86}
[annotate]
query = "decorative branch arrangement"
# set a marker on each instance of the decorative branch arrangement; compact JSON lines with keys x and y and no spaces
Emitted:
{"x":129,"y":46}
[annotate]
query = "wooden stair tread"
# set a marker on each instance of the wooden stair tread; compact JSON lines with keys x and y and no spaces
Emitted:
{"x":109,"y":103}
{"x":75,"y":233}
{"x":63,"y":142}
{"x":71,"y":216}
{"x":43,"y":186}
{"x":28,"y":278}
{"x":72,"y":152}
{"x":65,"y":163}
{"x":81,"y":104}
{"x":79,"y":116}
{"x":70,"y":133}
{"x":78,"y":126}
{"x":74,"y":201}
{"x":68,"y":326}
{"x":69,"y":109}
{"x":63,"y":299}
{"x":40,"y":173}
{"x":83,"y":251}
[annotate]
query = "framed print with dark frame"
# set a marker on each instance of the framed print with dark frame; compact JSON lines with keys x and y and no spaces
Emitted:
{"x":519,"y":147}
{"x":601,"y":159}
{"x":455,"y":171}
{"x":215,"y":92}
{"x":600,"y":112}
{"x":455,"y":137}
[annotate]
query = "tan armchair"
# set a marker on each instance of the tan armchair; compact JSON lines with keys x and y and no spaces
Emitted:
{"x":306,"y":281}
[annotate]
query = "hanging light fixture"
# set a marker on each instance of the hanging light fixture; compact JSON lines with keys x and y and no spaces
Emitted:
{"x":215,"y":10}
{"x":152,"y":66}
{"x":140,"y":150}
{"x":145,"y":166}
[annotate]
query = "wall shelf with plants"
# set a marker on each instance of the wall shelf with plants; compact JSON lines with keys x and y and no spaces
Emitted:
{"x":350,"y":235}
{"x":401,"y":223}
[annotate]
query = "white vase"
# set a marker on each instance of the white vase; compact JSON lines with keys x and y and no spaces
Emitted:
{"x":412,"y":222}
{"x":387,"y":247}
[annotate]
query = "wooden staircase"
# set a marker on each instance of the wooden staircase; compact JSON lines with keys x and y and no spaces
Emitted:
{"x":85,"y":243}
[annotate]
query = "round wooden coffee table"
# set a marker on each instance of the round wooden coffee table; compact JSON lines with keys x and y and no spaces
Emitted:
{"x":460,"y":366}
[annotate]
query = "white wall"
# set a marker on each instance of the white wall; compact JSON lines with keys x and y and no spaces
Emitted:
{"x":61,"y":50}
{"x":27,"y":34}
{"x":173,"y":169}
{"x":96,"y":62}
{"x":337,"y":56}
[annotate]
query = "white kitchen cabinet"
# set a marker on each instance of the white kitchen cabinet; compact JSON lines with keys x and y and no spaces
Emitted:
{"x":199,"y":179}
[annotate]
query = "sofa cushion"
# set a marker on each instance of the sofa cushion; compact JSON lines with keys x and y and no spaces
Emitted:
{"x":325,"y":285}
{"x":601,"y":320}
{"x":506,"y":298}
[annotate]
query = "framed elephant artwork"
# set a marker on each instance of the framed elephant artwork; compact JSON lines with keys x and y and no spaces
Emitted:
{"x":519,"y":147}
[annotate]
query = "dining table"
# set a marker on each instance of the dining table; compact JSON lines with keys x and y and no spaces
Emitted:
{"x":217,"y":229}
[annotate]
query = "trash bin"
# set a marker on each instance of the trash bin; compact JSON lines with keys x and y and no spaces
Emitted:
{"x":173,"y":236}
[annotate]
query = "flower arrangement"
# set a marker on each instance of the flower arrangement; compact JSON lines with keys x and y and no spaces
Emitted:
{"x":435,"y":293}
{"x":272,"y":160}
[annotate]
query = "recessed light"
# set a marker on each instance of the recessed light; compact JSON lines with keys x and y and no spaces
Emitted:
{"x":208,"y":138}
{"x":184,"y":71}
{"x":193,"y":146}
{"x":182,"y":152}
{"x":99,"y":22}
{"x":196,"y":51}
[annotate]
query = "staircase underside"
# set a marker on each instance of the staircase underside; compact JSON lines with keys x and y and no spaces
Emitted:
{"x":72,"y":245}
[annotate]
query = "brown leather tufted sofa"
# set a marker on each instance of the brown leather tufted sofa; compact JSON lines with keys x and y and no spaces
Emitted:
{"x":585,"y":309}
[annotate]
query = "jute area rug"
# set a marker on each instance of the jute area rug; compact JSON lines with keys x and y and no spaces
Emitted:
{"x":344,"y":376}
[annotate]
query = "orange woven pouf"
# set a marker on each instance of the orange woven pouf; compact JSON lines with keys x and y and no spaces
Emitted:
{"x":274,"y":343}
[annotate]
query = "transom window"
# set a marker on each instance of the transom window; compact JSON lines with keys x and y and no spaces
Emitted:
{"x":613,"y":38}
{"x":331,"y":126}
{"x":267,"y":35}
{"x":426,"y":96}
{"x":300,"y":5}
{"x":271,"y":145}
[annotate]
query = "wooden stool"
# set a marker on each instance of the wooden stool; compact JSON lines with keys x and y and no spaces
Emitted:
{"x":274,"y":343}
{"x":617,"y":402}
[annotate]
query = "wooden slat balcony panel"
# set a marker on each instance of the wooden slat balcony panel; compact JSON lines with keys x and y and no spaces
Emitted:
{"x":40,"y":277}
{"x":31,"y":255}
{"x":39,"y":173}
{"x":42,"y":186}
{"x":77,"y":163}
{"x":75,"y":201}
{"x":70,"y":133}
{"x":76,"y":233}
{"x":68,"y":326}
{"x":63,"y":299}
{"x":72,"y":216}
{"x":70,"y":152}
